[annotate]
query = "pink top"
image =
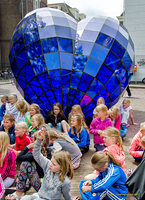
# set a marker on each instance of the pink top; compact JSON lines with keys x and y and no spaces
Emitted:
{"x":117,"y":122}
{"x":135,"y":148}
{"x":118,"y":154}
{"x":9,"y":165}
{"x":96,"y":125}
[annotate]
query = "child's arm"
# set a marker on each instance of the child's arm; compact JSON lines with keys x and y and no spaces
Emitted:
{"x":134,"y":148}
{"x":131,"y":117}
{"x":93,"y":129}
{"x":83,"y":137}
{"x":40,"y":159}
{"x":107,"y":181}
{"x":66,"y":190}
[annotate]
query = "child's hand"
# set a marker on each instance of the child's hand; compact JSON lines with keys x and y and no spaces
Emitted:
{"x":86,"y":189}
{"x":40,"y":135}
{"x":100,"y":133}
{"x":31,"y":145}
{"x":87,"y":183}
{"x":30,"y":128}
{"x":135,"y":124}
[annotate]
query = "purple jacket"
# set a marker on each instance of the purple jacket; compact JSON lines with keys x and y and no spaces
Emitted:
{"x":96,"y":125}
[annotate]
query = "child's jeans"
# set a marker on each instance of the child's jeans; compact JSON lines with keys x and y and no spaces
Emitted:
{"x":59,"y":126}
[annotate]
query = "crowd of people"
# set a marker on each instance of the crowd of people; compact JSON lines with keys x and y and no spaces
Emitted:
{"x":43,"y":152}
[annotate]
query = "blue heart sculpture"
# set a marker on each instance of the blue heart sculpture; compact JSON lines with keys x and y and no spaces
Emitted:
{"x":54,"y":59}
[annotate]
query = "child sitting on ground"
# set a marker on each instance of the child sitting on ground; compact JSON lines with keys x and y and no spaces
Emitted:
{"x":37,"y":122}
{"x":22,"y":138}
{"x":7,"y":161}
{"x":67,"y":144}
{"x":98,"y":125}
{"x":33,"y":109}
{"x":22,"y":108}
{"x":4,"y":100}
{"x":57,"y":119}
{"x":136,"y":180}
{"x":57,"y":173}
{"x":113,"y":143}
{"x":79,"y":134}
{"x":76,"y":109}
{"x":100,"y":100}
{"x":135,"y":149}
{"x":115,"y":116}
{"x":11,"y":106}
{"x":9,"y":127}
{"x":110,"y":182}
{"x":126,"y":113}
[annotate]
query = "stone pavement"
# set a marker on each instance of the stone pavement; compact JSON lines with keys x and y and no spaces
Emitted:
{"x":138,"y":105}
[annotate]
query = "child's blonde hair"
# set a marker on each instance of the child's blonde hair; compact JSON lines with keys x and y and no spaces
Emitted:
{"x":79,"y":111}
{"x":101,"y":99}
{"x":14,"y":96}
{"x":115,"y":111}
{"x":142,"y":126}
{"x":22,"y":107}
{"x":39,"y":119}
{"x":114,"y":132}
{"x":9,"y":117}
{"x":100,"y":158}
{"x":63,"y":158}
{"x":79,"y":123}
{"x":22,"y":125}
{"x":4,"y":142}
{"x":102,"y":108}
{"x":45,"y":143}
{"x":142,"y":141}
{"x":127,"y":101}
{"x":54,"y":133}
{"x":35,"y":107}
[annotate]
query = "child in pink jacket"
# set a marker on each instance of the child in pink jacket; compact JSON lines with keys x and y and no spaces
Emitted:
{"x":98,"y":125}
{"x":135,"y":149}
{"x":7,"y":161}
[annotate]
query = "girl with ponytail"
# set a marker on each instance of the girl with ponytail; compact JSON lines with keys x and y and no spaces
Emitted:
{"x":110,"y":183}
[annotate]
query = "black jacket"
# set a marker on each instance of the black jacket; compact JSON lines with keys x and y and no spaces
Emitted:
{"x":51,"y":119}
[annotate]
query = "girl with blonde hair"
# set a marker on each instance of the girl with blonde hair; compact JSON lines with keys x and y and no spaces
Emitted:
{"x":57,"y":173}
{"x":76,"y":109}
{"x":78,"y":133}
{"x":33,"y":109}
{"x":115,"y":116}
{"x":67,"y":144}
{"x":113,"y":143}
{"x":100,"y":100}
{"x":135,"y":148}
{"x":110,"y":182}
{"x":7,"y":161}
{"x":22,"y":108}
{"x":37,"y":122}
{"x":98,"y":125}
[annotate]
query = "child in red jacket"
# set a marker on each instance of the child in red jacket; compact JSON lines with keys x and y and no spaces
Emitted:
{"x":22,"y":138}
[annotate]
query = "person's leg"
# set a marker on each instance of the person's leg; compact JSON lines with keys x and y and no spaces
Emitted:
{"x":8,"y":182}
{"x":49,"y":124}
{"x":99,"y":147}
{"x":59,"y":127}
{"x":27,"y":171}
{"x":65,"y":126}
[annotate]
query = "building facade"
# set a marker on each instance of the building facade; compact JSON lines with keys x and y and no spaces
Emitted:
{"x":11,"y":12}
{"x":134,"y":21}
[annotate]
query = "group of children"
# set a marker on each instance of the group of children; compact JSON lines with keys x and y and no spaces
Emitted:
{"x":56,"y":146}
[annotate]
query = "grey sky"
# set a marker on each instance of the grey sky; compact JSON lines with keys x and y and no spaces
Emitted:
{"x":110,"y":8}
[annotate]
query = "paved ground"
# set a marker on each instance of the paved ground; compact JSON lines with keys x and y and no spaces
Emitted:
{"x":138,"y":104}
